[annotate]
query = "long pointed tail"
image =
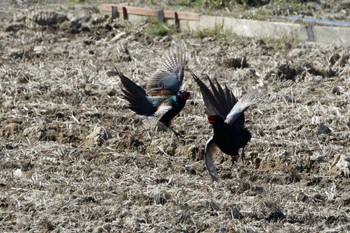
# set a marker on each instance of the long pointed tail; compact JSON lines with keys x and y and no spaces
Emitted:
{"x":210,"y":148}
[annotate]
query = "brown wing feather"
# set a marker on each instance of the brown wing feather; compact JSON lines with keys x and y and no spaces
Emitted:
{"x":170,"y":72}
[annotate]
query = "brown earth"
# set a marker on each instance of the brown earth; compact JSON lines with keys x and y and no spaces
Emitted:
{"x":75,"y":159}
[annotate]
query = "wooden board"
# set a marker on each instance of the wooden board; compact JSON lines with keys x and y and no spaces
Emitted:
{"x":168,"y":14}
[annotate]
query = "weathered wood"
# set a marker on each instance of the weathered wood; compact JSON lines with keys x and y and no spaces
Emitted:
{"x":160,"y":16}
{"x":115,"y":13}
{"x":168,"y":14}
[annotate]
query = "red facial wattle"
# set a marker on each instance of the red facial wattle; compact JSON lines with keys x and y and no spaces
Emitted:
{"x":211,"y":119}
{"x":185,"y":95}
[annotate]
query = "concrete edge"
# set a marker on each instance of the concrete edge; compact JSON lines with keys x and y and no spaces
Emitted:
{"x":241,"y":27}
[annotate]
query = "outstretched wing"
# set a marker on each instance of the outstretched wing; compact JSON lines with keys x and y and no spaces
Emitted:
{"x":136,"y":96}
{"x":210,"y":148}
{"x":243,"y":103}
{"x":168,"y":77}
{"x":218,"y":100}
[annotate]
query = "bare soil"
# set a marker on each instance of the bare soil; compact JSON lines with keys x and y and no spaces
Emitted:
{"x":75,"y":159}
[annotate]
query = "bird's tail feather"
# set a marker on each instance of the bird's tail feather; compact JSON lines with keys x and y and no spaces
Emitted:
{"x":210,"y":148}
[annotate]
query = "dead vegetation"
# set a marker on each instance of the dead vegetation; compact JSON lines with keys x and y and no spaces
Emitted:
{"x":74,"y":158}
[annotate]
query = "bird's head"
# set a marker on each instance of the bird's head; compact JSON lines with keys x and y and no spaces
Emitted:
{"x":215,"y":119}
{"x":184,"y":95}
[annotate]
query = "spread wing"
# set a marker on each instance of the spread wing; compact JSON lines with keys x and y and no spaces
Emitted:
{"x":243,"y":103}
{"x":167,"y":79}
{"x":210,"y":148}
{"x":218,"y":100}
{"x":136,"y":96}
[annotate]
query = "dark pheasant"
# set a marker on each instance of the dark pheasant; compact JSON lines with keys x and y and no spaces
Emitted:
{"x":226,"y":114}
{"x":164,"y":99}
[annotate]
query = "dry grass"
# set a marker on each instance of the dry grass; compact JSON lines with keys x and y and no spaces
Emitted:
{"x":73,"y":158}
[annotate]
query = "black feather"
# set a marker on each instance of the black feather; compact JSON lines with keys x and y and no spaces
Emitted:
{"x":136,"y":96}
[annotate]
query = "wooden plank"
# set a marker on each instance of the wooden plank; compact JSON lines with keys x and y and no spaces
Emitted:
{"x":140,"y":11}
{"x":181,"y":15}
{"x":106,"y":7}
{"x":150,"y":12}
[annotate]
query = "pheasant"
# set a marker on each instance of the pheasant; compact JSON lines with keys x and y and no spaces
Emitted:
{"x":226,"y":114}
{"x":163,"y":99}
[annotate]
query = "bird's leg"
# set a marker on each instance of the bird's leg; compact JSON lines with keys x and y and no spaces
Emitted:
{"x":243,"y":155}
{"x":234,"y":159}
{"x":176,"y":133}
{"x":173,"y":130}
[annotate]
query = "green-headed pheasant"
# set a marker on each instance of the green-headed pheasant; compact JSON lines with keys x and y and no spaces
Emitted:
{"x":164,"y":99}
